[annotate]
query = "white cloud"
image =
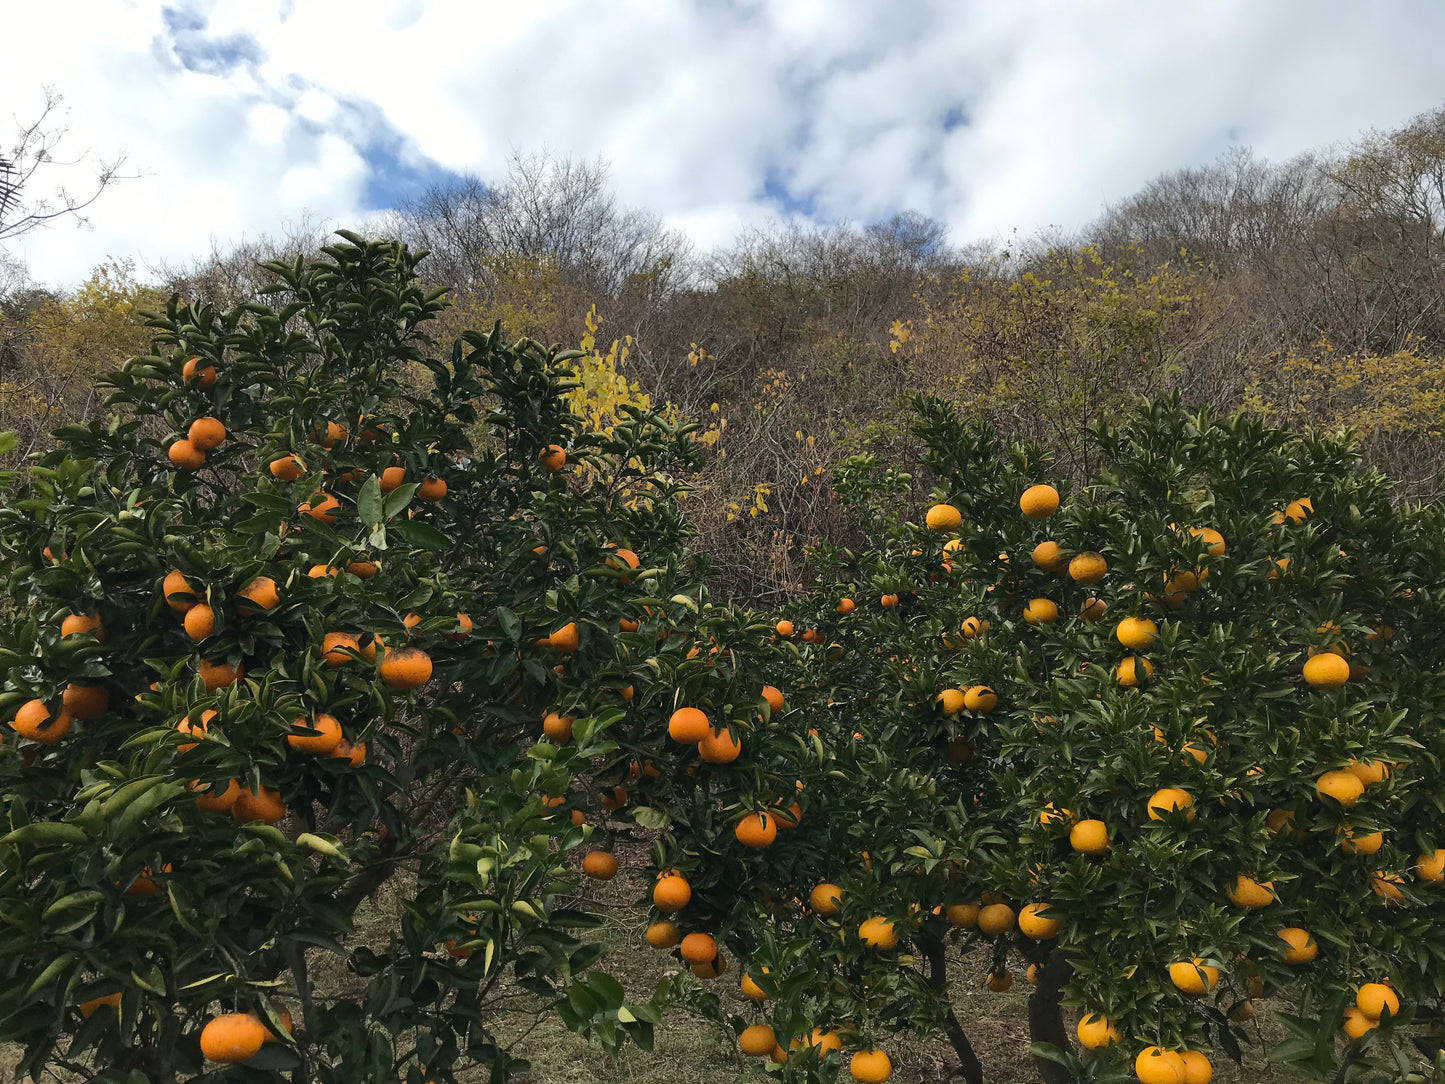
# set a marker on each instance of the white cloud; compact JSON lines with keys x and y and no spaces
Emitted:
{"x":245,"y":114}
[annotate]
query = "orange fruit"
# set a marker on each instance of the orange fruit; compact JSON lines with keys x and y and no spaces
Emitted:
{"x":943,"y":517}
{"x":689,"y":726}
{"x":558,"y":728}
{"x":202,"y":726}
{"x":663,"y":935}
{"x":391,"y":478}
{"x":671,"y":893}
{"x":324,"y":510}
{"x":1050,"y":557}
{"x":1089,"y":837}
{"x":1374,"y":999}
{"x":756,"y":830}
{"x":200,"y":621}
{"x":1300,"y":947}
{"x":1365,"y":843}
{"x":774,"y":698}
{"x":1033,"y":925}
{"x":950,"y":701}
{"x":217,"y":675}
{"x":1431,"y":867}
{"x":1088,"y":567}
{"x":600,"y":865}
{"x":980,"y":698}
{"x":1197,"y":1069}
{"x":1039,"y":502}
{"x":1369,"y":772}
{"x":698,"y":948}
{"x":288,"y":468}
{"x":1326,"y":671}
{"x":206,"y":433}
{"x":720,"y":747}
{"x":409,"y":668}
{"x":179,"y":594}
{"x":233,"y":1037}
{"x":323,"y":743}
{"x":845,"y":606}
{"x":431,"y":490}
{"x":1296,"y":511}
{"x":974,"y":627}
{"x":1093,"y":609}
{"x":1343,"y":786}
{"x":76,"y":624}
{"x":1356,"y":1023}
{"x":202,"y":376}
{"x":1387,"y":887}
{"x":825,"y":899}
{"x":888,"y":601}
{"x":564,"y":639}
{"x":1000,"y":982}
{"x":185,"y":456}
{"x":1247,"y":892}
{"x":462,"y":631}
{"x":33,"y":721}
{"x":870,"y":1067}
{"x":553,"y":458}
{"x":1212,"y":538}
{"x":88,"y":1007}
{"x":751,"y":990}
{"x":1167,"y":800}
{"x":757,"y":1040}
{"x":284,"y":1019}
{"x":355,"y":752}
{"x":1041,"y":611}
{"x":265,"y":805}
{"x":334,"y":648}
{"x":84,"y":701}
{"x":1134,"y":671}
{"x":261,"y":592}
{"x":1136,"y":633}
{"x":996,"y":918}
{"x":211,"y":802}
{"x":320,"y":572}
{"x":784,"y":628}
{"x":1194,"y":976}
{"x":1094,"y":1031}
{"x":878,"y":933}
{"x":962,"y":915}
{"x":820,"y":1039}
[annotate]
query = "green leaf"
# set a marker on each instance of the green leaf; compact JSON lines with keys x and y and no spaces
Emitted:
{"x":647,"y":817}
{"x":422,"y":535}
{"x":398,"y":499}
{"x":47,"y":833}
{"x":369,"y":502}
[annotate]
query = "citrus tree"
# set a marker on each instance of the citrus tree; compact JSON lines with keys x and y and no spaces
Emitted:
{"x":283,"y":633}
{"x":1169,"y":743}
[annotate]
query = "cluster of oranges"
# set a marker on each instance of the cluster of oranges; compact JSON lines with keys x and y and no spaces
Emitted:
{"x":204,"y":435}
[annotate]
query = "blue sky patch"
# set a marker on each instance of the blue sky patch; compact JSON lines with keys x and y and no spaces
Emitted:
{"x":198,"y":52}
{"x":394,"y":178}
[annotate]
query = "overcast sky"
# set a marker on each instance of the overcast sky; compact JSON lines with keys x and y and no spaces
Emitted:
{"x":992,"y":116}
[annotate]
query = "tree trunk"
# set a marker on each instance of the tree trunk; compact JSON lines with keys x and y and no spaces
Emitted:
{"x":968,"y":1067}
{"x":1046,"y":1016}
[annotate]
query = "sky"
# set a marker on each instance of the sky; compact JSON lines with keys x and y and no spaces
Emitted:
{"x":241,"y":116}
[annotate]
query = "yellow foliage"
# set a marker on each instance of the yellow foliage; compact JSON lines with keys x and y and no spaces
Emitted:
{"x":1402,"y":392}
{"x":602,"y":387}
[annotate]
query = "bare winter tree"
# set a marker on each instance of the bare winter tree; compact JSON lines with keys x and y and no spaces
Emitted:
{"x":27,"y":204}
{"x":560,"y":209}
